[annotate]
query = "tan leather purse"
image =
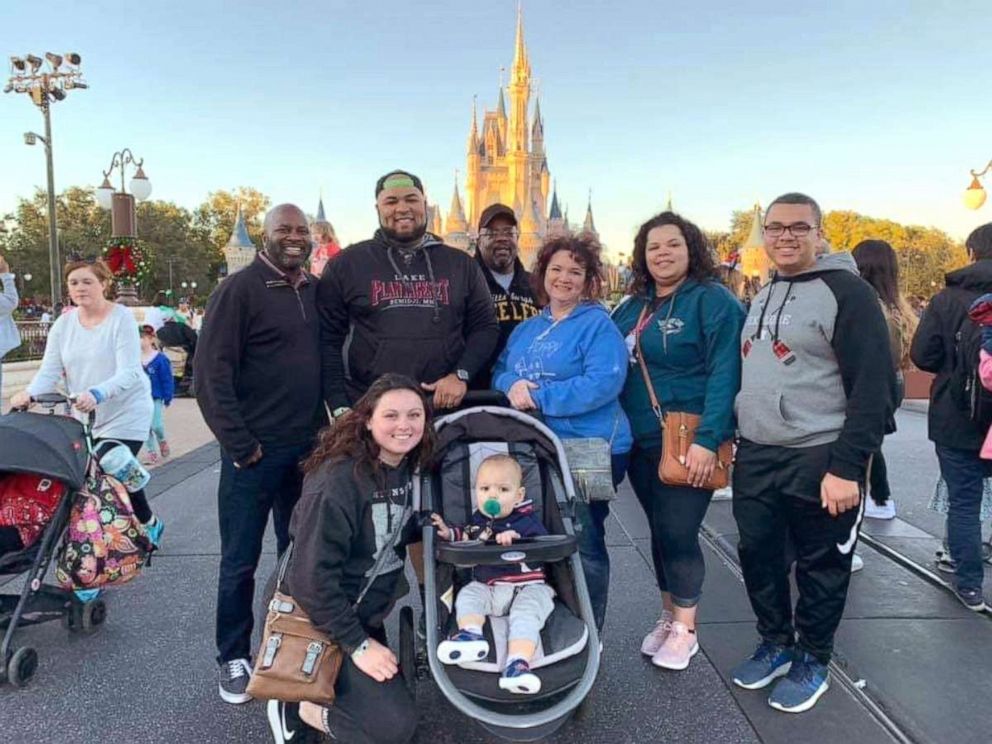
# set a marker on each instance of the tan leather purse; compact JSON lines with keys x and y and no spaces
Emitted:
{"x":295,"y":662}
{"x":678,"y":432}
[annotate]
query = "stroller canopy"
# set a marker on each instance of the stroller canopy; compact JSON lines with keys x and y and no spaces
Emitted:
{"x":49,"y":445}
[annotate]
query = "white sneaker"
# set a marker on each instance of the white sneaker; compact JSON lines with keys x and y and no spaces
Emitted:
{"x":886,"y":511}
{"x":724,"y":494}
{"x":654,"y":640}
{"x":857,"y":563}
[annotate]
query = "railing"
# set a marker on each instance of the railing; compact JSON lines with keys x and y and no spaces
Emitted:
{"x":34,"y":334}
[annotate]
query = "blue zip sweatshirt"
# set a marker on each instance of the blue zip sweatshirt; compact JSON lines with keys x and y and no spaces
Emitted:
{"x":691,"y":347}
{"x":159,"y":371}
{"x":579,"y":365}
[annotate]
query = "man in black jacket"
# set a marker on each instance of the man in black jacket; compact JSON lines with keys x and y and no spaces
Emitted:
{"x":258,"y":386}
{"x":956,"y":437}
{"x":509,"y":282}
{"x":403,"y":302}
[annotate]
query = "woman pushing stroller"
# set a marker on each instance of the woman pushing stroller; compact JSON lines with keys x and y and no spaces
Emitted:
{"x":96,"y":349}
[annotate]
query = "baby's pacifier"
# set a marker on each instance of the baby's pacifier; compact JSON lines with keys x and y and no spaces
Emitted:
{"x":492,"y":507}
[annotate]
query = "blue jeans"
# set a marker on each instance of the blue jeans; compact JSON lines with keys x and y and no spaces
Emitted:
{"x":964,"y":472}
{"x":245,"y":497}
{"x":592,"y":544}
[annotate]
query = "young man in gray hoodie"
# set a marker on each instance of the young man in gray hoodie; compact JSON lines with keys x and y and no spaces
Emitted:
{"x":817,"y":392}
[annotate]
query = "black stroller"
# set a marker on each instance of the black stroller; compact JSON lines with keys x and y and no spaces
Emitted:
{"x":569,"y":653}
{"x":55,"y":447}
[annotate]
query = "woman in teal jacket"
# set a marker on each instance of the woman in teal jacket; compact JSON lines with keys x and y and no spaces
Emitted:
{"x":568,"y":363}
{"x":689,"y":326}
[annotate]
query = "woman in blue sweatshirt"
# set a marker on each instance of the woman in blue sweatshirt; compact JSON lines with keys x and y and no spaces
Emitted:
{"x":568,"y":363}
{"x":689,"y":326}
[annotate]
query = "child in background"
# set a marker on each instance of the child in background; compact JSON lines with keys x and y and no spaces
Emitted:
{"x":159,"y":371}
{"x":517,"y":590}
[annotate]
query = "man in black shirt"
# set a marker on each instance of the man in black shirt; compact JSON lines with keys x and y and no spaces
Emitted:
{"x":258,"y":386}
{"x":509,"y":282}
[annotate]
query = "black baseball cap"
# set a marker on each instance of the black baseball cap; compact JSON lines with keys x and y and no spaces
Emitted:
{"x":493,"y":211}
{"x":402,"y":178}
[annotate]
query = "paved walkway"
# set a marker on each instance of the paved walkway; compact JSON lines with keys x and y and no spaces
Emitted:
{"x":149,"y":674}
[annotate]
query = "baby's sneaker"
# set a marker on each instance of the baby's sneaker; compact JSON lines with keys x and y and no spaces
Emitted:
{"x":463,"y":646}
{"x":518,"y":678}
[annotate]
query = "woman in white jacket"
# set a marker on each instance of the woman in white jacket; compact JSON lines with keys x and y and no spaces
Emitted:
{"x":96,"y":348}
{"x":10,"y":338}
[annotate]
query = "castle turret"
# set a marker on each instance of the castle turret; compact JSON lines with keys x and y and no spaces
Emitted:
{"x":754,"y":260}
{"x":556,"y":220}
{"x":456,"y":227}
{"x":588,"y":225}
{"x":239,"y":251}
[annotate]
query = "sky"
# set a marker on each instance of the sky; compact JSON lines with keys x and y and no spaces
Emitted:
{"x":881,"y":107}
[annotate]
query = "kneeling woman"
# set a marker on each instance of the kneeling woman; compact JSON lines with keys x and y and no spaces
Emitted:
{"x":356,"y":502}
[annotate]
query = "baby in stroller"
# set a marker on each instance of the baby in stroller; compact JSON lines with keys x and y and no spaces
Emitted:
{"x":518,"y":590}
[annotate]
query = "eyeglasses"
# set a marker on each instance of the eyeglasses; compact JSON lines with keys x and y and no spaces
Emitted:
{"x":798,"y":229}
{"x":503,"y":232}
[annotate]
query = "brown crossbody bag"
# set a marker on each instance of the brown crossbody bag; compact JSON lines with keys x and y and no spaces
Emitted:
{"x":678,"y":432}
{"x":296,"y":662}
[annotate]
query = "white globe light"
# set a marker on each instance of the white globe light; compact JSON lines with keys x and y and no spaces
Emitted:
{"x":141,"y":187}
{"x":974,"y":195}
{"x":105,"y":194}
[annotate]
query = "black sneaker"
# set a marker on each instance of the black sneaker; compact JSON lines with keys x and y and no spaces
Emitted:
{"x":234,"y":677}
{"x":972,"y":599}
{"x":287,"y":726}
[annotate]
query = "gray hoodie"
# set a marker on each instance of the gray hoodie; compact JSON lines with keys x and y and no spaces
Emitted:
{"x":816,"y":367}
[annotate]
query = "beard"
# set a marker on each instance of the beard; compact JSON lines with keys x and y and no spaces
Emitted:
{"x":277,"y":254}
{"x":413,"y":237}
{"x":502,"y":258}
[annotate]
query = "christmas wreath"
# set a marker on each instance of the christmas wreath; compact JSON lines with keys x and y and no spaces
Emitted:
{"x":128,"y":259}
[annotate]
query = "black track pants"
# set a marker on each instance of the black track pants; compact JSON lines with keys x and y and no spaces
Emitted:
{"x":777,"y":491}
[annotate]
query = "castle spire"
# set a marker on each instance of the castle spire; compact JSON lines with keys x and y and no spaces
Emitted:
{"x":589,"y":226}
{"x":473,"y":137}
{"x":521,"y":66}
{"x":239,"y":235}
{"x":321,"y":217}
{"x":537,"y":130}
{"x":555,"y":213}
{"x":501,"y":104}
{"x":456,"y":222}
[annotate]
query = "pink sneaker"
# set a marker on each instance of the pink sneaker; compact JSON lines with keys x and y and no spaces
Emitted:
{"x":678,"y":648}
{"x":163,"y":447}
{"x":653,"y":640}
{"x":150,"y":459}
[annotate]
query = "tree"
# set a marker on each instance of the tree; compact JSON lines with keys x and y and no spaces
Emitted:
{"x":217,"y":214}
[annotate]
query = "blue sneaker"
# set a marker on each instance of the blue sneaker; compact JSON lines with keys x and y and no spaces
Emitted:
{"x":518,"y":678}
{"x":463,"y":646}
{"x":768,"y":661}
{"x":806,"y":681}
{"x":154,"y":530}
{"x":86,"y":595}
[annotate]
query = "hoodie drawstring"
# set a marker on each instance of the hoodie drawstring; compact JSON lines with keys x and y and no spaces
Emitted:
{"x":430,"y":275}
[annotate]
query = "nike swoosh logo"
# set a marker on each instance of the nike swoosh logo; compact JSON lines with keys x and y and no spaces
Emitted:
{"x":847,"y":545}
{"x":287,"y":735}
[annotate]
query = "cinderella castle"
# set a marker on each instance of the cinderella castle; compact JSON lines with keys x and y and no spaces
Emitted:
{"x":507,"y":163}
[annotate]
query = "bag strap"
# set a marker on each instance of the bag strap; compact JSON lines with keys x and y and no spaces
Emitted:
{"x":379,"y":563}
{"x":655,"y":404}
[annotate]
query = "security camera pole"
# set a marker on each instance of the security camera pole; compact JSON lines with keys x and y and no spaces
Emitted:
{"x":62,"y":74}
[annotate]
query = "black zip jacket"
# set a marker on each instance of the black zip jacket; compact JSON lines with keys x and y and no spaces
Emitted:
{"x":513,"y":307}
{"x":423,"y":313}
{"x":933,"y":351}
{"x":258,"y":361}
{"x":342,"y":518}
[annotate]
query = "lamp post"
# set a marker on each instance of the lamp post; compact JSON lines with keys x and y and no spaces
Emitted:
{"x":62,"y":74}
{"x":974,"y":195}
{"x":123,"y":221}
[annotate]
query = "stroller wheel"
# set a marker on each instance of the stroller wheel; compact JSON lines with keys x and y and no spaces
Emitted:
{"x":85,"y":617}
{"x":93,"y":615}
{"x":408,"y":650}
{"x":22,"y":666}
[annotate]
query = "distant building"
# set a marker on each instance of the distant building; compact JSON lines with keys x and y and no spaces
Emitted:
{"x":239,"y":251}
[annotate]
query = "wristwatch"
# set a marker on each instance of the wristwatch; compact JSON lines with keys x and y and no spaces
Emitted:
{"x":340,"y":411}
{"x":360,"y":650}
{"x":462,"y":374}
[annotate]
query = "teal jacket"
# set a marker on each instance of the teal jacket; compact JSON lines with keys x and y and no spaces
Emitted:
{"x":691,"y":345}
